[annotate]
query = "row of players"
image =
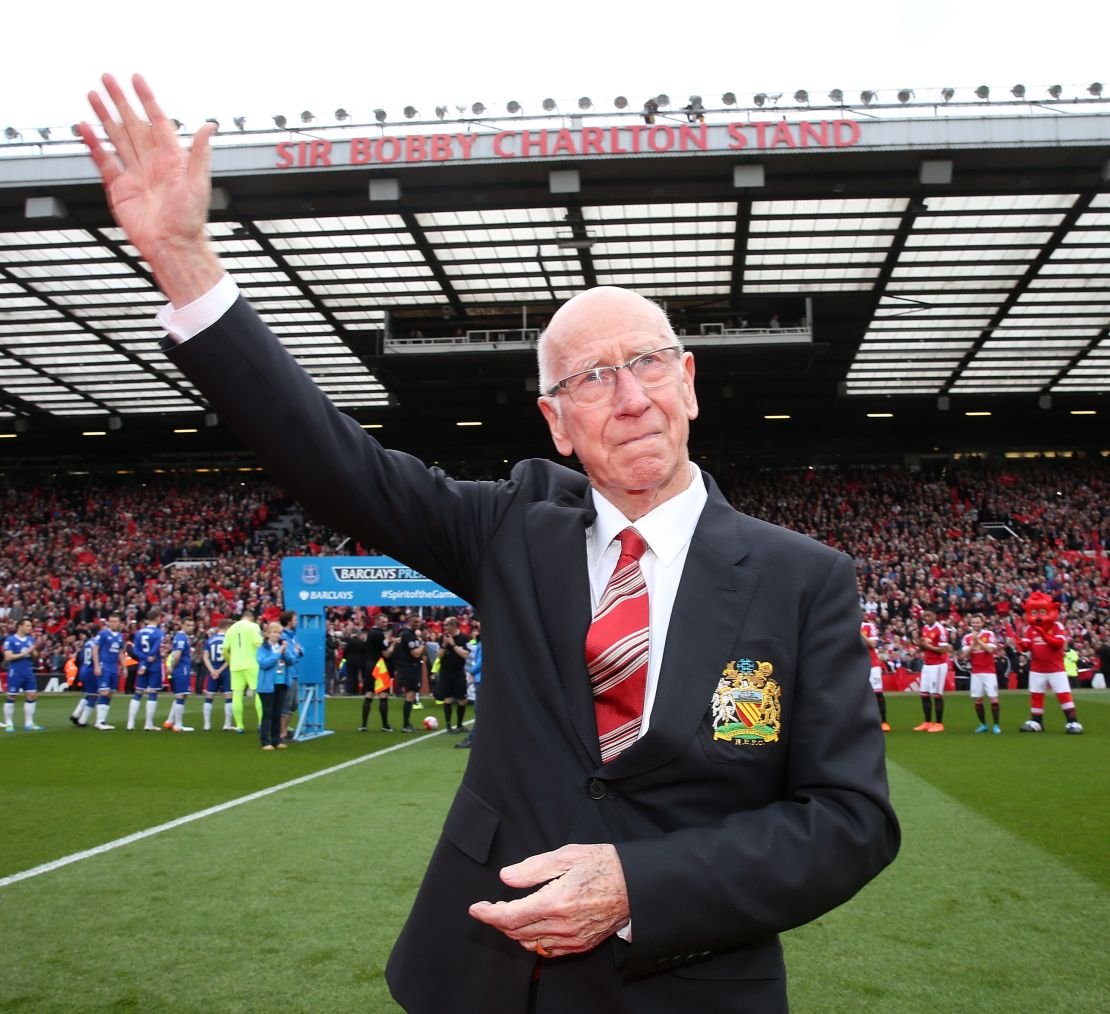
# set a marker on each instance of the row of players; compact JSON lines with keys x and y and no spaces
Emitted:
{"x":1043,"y":637}
{"x":103,"y":654}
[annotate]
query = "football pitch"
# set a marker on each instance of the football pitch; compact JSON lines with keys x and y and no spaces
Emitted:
{"x":290,"y":899}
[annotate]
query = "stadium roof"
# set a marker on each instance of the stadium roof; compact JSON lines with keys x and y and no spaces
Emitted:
{"x":823,"y":264}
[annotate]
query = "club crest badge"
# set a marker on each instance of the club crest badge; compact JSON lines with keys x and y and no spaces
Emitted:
{"x":747,"y":705}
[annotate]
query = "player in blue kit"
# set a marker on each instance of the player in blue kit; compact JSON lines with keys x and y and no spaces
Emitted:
{"x":148,"y":674}
{"x":180,"y":665}
{"x":106,"y":651}
{"x":219,"y":678}
{"x":18,"y":649}
{"x":87,"y":678}
{"x":149,"y":670}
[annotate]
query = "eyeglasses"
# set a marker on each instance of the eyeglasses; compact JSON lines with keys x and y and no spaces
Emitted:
{"x":597,"y":386}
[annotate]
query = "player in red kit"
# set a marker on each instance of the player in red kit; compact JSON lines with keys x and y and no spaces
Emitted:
{"x":869,"y":633}
{"x":1045,"y":638}
{"x":980,"y":646}
{"x":935,"y":648}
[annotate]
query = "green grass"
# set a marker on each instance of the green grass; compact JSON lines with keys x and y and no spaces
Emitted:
{"x":998,"y":900}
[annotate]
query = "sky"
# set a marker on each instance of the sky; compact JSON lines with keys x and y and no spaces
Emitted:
{"x":223,"y":59}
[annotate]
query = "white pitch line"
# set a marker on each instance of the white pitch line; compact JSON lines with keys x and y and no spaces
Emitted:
{"x":110,"y":846}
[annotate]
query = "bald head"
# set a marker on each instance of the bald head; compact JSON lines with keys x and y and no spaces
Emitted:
{"x":577,"y":319}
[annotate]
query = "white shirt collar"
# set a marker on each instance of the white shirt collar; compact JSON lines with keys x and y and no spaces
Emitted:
{"x":666,"y":528}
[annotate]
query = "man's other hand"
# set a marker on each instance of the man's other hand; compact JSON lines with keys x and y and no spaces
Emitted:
{"x":582,"y":901}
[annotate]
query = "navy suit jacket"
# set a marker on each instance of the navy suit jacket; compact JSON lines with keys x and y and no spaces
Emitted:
{"x":723,"y":843}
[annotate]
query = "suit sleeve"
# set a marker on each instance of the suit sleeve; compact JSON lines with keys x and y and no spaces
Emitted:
{"x":711,"y":889}
{"x":340,"y":474}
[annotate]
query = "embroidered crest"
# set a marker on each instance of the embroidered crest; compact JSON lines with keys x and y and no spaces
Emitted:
{"x":746,"y":704}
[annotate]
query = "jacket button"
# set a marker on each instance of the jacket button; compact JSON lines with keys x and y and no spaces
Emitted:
{"x":595,"y":788}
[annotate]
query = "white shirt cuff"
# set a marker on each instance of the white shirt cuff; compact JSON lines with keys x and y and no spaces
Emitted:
{"x":188,"y":321}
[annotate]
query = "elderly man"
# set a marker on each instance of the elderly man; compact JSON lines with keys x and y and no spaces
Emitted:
{"x":679,"y":756}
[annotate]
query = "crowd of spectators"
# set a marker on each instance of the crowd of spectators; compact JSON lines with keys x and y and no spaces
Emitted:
{"x":204,"y":547}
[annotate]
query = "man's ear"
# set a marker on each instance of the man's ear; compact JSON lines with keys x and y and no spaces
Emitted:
{"x":551,"y":413}
{"x":690,"y":395}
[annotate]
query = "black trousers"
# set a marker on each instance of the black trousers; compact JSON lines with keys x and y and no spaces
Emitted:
{"x":269,"y":729}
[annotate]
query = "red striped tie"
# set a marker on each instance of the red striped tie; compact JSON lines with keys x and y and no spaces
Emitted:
{"x":617,"y":650}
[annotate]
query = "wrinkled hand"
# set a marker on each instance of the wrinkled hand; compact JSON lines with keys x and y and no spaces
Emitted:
{"x":158,"y":192}
{"x":582,"y":901}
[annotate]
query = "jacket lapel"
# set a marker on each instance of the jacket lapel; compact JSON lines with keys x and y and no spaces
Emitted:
{"x":556,"y":539}
{"x":713,"y":598}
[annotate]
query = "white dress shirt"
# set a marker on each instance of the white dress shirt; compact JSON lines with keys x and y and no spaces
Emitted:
{"x":667,"y":529}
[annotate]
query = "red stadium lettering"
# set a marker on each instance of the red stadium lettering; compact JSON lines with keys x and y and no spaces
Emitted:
{"x":690,"y":136}
{"x":591,"y":141}
{"x":528,"y":140}
{"x":845,"y":133}
{"x":360,"y":150}
{"x":615,"y":142}
{"x":736,"y":135}
{"x":319,"y":152}
{"x":564,"y":144}
{"x":466,"y":141}
{"x":636,"y":130}
{"x":667,"y":143}
{"x":416,"y":148}
{"x":285,"y":157}
{"x":783,"y":135}
{"x":394,"y":153}
{"x":761,"y":132}
{"x":441,"y":147}
{"x":499,"y":140}
{"x":818,"y":133}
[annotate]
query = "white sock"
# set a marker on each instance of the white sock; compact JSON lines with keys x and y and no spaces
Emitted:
{"x":102,"y":714}
{"x":29,"y":712}
{"x":9,"y":710}
{"x":151,"y":704}
{"x":79,"y":711}
{"x":207,"y":709}
{"x":132,"y":712}
{"x":229,"y":715}
{"x":178,"y":713}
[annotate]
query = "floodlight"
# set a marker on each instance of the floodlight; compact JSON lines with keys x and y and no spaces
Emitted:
{"x":584,"y":103}
{"x":729,"y":98}
{"x":44,"y":133}
{"x":177,"y":125}
{"x":867,"y":97}
{"x":1095,"y":88}
{"x":548,"y":105}
{"x":240,"y":122}
{"x":947,"y":94}
{"x":409,"y":111}
{"x":620,"y":102}
{"x":513,"y":106}
{"x":441,"y":111}
{"x":307,"y":117}
{"x":760,"y":99}
{"x":1055,"y":91}
{"x":651,"y":107}
{"x":837,"y":96}
{"x":75,"y":130}
{"x":663,"y":99}
{"x":341,"y":114}
{"x":215,"y":123}
{"x":280,"y":122}
{"x":1018,"y":91}
{"x":477,"y":109}
{"x":379,"y":115}
{"x":801,"y":96}
{"x":12,"y":134}
{"x":904,"y":95}
{"x":983,"y":92}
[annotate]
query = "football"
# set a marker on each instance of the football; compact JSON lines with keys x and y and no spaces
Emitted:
{"x":431,"y":723}
{"x":1031,"y":726}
